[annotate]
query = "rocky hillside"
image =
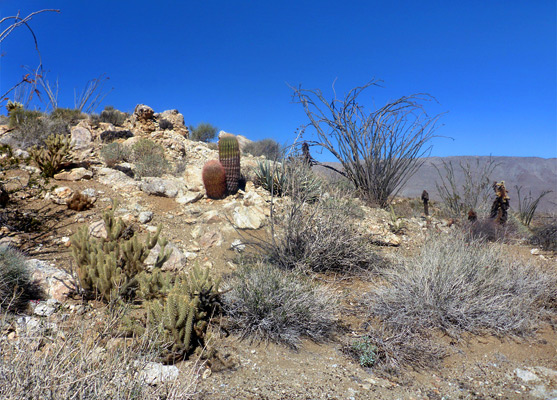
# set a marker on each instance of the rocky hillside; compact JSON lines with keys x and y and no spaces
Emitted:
{"x":314,"y":323}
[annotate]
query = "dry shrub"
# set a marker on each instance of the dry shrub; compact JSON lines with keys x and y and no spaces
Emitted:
{"x":545,"y":236}
{"x":51,"y":363}
{"x":149,"y":158}
{"x":456,"y":285}
{"x":114,"y":153}
{"x":265,"y":302}
{"x":395,"y":351}
{"x":269,"y":148}
{"x":488,"y":229}
{"x":16,"y":285}
{"x":315,"y":228}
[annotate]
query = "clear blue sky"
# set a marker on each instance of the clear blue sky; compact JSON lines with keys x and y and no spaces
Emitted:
{"x":490,"y":64}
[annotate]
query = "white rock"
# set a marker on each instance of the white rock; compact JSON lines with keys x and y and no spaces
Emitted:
{"x":535,"y":252}
{"x":145,"y":217}
{"x":238,"y":245}
{"x":46,"y":308}
{"x":157,"y":373}
{"x":54,"y":282}
{"x":248,"y":218}
{"x":526,"y":375}
{"x":189,"y":198}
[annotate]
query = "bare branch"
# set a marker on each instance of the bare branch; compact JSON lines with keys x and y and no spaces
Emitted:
{"x":379,"y":150}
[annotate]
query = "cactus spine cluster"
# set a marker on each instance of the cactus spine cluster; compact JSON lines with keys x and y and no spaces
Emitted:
{"x":229,"y":156}
{"x":214,"y":179}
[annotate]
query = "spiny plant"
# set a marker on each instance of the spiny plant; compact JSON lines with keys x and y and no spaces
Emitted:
{"x":229,"y":156}
{"x":16,"y":285}
{"x":181,"y":318}
{"x":51,"y":158}
{"x":214,"y":179}
{"x":110,"y":268}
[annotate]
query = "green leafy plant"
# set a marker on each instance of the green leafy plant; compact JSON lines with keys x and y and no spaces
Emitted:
{"x":149,"y":158}
{"x":113,"y":116}
{"x":365,"y":350}
{"x":68,"y":115}
{"x":271,"y":176}
{"x":51,"y":158}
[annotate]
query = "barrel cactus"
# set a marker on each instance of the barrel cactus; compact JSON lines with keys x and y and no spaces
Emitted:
{"x":229,"y":156}
{"x":214,"y":179}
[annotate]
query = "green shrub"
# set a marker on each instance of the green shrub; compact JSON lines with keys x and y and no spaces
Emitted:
{"x":266,"y":147}
{"x":16,"y":285}
{"x":19,"y":116}
{"x":149,"y":158}
{"x":114,"y":153}
{"x":203,"y":132}
{"x":112,"y":116}
{"x":456,"y":285}
{"x":68,"y":115}
{"x":365,"y":351}
{"x":267,"y":303}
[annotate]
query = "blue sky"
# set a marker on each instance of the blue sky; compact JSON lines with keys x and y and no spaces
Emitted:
{"x":491,"y":65}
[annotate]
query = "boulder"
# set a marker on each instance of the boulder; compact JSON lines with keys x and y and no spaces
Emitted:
{"x":161,"y":187}
{"x":116,"y":179}
{"x":55,"y":282}
{"x":143,"y":112}
{"x":174,"y":117}
{"x":176,"y":262}
{"x":81,"y":138}
{"x":248,"y":217}
{"x":75,"y":174}
{"x":156,"y":373}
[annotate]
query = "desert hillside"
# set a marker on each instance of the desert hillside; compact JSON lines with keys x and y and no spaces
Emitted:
{"x":136,"y":262}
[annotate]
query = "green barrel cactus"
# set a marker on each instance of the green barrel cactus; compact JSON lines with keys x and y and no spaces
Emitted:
{"x":229,"y":156}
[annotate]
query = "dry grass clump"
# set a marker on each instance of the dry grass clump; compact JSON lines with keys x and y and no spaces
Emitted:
{"x":265,"y":302}
{"x":51,"y":363}
{"x":149,"y":158}
{"x":489,"y":229}
{"x":456,"y":285}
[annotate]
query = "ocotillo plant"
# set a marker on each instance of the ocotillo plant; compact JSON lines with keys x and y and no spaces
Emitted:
{"x":229,"y":156}
{"x":214,"y":179}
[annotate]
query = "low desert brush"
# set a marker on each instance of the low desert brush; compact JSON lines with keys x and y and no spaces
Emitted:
{"x":457,"y":285}
{"x":264,"y":302}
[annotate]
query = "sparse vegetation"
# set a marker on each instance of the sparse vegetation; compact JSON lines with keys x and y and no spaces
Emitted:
{"x":271,"y":304}
{"x":528,"y":205}
{"x":472,"y":194}
{"x":266,"y":147}
{"x":165,"y":124}
{"x":149,"y":158}
{"x":317,"y":235}
{"x":16,"y":286}
{"x":113,"y":116}
{"x":203,"y":132}
{"x":545,"y":235}
{"x":69,"y":116}
{"x":379,"y":150}
{"x":73,"y":362}
{"x":458,"y":286}
{"x":114,"y":153}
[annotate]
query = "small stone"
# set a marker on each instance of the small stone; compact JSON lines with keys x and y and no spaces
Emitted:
{"x":98,"y":230}
{"x":238,"y":245}
{"x":46,"y":308}
{"x":156,"y":373}
{"x":75,"y":174}
{"x":189,"y":198}
{"x":145,"y":217}
{"x":535,"y":252}
{"x":207,"y":373}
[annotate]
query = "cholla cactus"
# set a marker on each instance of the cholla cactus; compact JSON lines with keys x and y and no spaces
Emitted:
{"x":50,"y":158}
{"x":229,"y":156}
{"x":111,"y":267}
{"x":13,"y":106}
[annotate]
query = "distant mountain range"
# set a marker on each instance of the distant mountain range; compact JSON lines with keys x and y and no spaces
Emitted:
{"x":533,"y":174}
